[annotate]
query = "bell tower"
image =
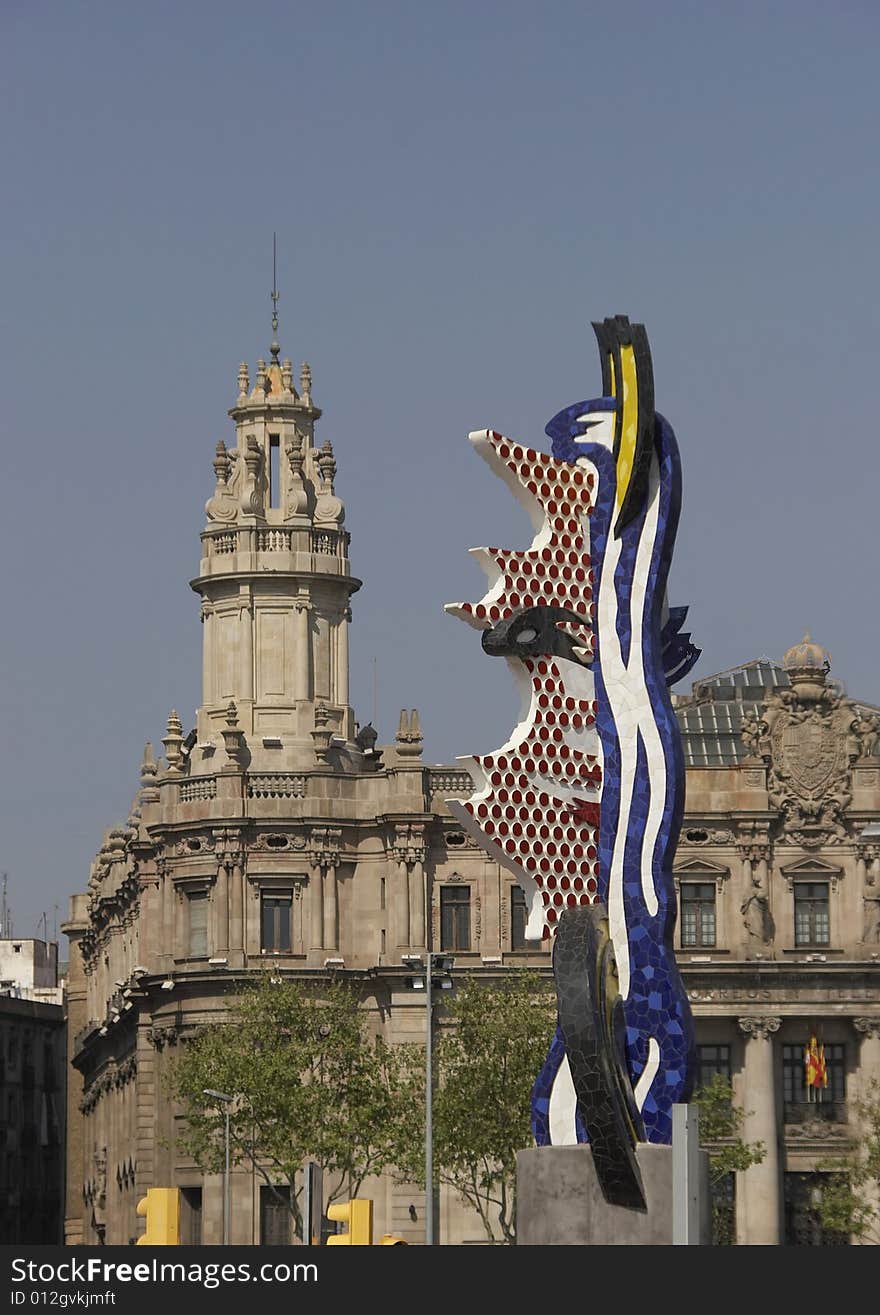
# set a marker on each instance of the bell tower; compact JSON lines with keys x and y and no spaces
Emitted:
{"x":275,"y":583}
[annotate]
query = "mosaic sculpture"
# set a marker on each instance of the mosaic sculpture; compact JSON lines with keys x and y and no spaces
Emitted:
{"x":583,"y":803}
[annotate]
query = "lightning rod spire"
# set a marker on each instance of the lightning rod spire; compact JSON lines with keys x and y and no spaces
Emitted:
{"x":275,"y":348}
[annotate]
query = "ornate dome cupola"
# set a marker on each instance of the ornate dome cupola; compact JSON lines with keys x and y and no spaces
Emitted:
{"x":274,"y":579}
{"x":807,"y":665}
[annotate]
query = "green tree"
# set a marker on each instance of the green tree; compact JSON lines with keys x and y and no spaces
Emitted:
{"x":491,"y":1043}
{"x":309,"y":1083}
{"x":849,"y":1199}
{"x":721,"y":1135}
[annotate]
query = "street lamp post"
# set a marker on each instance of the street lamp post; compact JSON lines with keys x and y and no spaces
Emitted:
{"x":226,"y":1102}
{"x":436,"y":970}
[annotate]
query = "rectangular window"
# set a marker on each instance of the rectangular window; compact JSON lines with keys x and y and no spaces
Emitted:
{"x":711,"y":1060}
{"x":276,"y":913}
{"x":803,"y":1224}
{"x":198,"y":924}
{"x":697,"y":913}
{"x":191,"y":1216}
{"x":811,"y":921}
{"x":518,"y":918}
{"x":455,"y":917}
{"x":802,"y":1103}
{"x":276,"y":1221}
{"x":722,"y":1192}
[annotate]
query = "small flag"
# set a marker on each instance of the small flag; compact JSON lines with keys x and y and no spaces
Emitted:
{"x":815,"y":1071}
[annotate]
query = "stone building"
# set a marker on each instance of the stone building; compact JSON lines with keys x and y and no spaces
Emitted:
{"x":276,"y":831}
{"x":778,"y":936}
{"x":33,"y":1054}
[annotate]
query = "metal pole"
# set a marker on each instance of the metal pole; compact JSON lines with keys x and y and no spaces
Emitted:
{"x":429,"y":1130}
{"x":313,"y":1208}
{"x":688,"y":1187}
{"x":226,"y":1185}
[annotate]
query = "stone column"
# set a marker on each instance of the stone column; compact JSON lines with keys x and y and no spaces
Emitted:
{"x":417,"y":905}
{"x":247,"y":647}
{"x":169,"y":945}
{"x":340,"y":693}
{"x":302,"y":682}
{"x":331,"y":912}
{"x":237,"y":938}
{"x":220,"y":939}
{"x":181,"y":928}
{"x":317,"y":907}
{"x":207,"y":615}
{"x":758,"y":1189}
{"x":402,"y":902}
{"x":861,"y":865}
{"x":869,"y":1068}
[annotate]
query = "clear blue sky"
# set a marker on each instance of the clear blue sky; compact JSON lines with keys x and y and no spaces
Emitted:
{"x":458,"y":190}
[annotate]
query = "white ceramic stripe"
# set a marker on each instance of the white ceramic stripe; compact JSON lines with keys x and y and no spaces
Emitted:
{"x":648,"y":1074}
{"x":563,"y":1104}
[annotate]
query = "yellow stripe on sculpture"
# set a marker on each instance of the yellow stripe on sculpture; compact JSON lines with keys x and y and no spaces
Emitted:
{"x":629,"y":429}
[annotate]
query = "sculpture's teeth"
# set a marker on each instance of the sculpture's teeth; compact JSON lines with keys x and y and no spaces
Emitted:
{"x":585,"y":654}
{"x":468,"y":612}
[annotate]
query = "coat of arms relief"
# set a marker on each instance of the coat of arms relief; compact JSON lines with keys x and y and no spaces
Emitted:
{"x":810,"y":735}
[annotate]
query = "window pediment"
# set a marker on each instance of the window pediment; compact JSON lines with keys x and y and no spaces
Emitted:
{"x":701,"y":869}
{"x":811,"y":869}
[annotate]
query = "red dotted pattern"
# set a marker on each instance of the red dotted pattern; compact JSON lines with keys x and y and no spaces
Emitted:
{"x":559,"y":573}
{"x":554,"y":840}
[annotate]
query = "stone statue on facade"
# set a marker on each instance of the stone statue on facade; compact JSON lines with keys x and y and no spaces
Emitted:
{"x":754,"y":732}
{"x":871,"y":920}
{"x":99,"y":1200}
{"x":866,"y":731}
{"x":755,"y":910}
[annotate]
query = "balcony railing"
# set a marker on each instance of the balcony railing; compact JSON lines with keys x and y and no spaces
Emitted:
{"x":448,"y":781}
{"x":200,"y":787}
{"x":327,"y":542}
{"x":820,"y":1111}
{"x":276,"y":785}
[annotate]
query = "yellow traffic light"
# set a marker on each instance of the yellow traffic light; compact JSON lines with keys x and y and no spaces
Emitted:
{"x":161,"y":1209}
{"x":358,"y":1215}
{"x":389,"y":1240}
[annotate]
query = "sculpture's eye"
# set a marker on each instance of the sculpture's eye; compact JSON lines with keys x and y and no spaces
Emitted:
{"x":526,"y":636}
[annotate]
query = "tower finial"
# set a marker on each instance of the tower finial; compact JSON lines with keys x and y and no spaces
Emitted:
{"x":275,"y":348}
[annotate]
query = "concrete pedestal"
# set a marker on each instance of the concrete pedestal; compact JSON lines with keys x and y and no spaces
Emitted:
{"x":559,"y":1201}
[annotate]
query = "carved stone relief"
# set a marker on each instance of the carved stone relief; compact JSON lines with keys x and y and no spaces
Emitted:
{"x":810,"y":753}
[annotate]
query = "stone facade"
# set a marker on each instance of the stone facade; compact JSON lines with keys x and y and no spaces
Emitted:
{"x":277,"y":832}
{"x":777,"y":870}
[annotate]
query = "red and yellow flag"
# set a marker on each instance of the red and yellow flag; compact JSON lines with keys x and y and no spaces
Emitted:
{"x":815,"y":1072}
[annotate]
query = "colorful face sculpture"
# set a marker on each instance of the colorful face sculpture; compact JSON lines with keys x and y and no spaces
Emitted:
{"x":583,"y":803}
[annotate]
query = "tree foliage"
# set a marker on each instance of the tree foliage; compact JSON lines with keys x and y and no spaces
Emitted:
{"x":492,"y":1042}
{"x":309,"y":1083}
{"x":721,"y":1135}
{"x":849,"y":1200}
